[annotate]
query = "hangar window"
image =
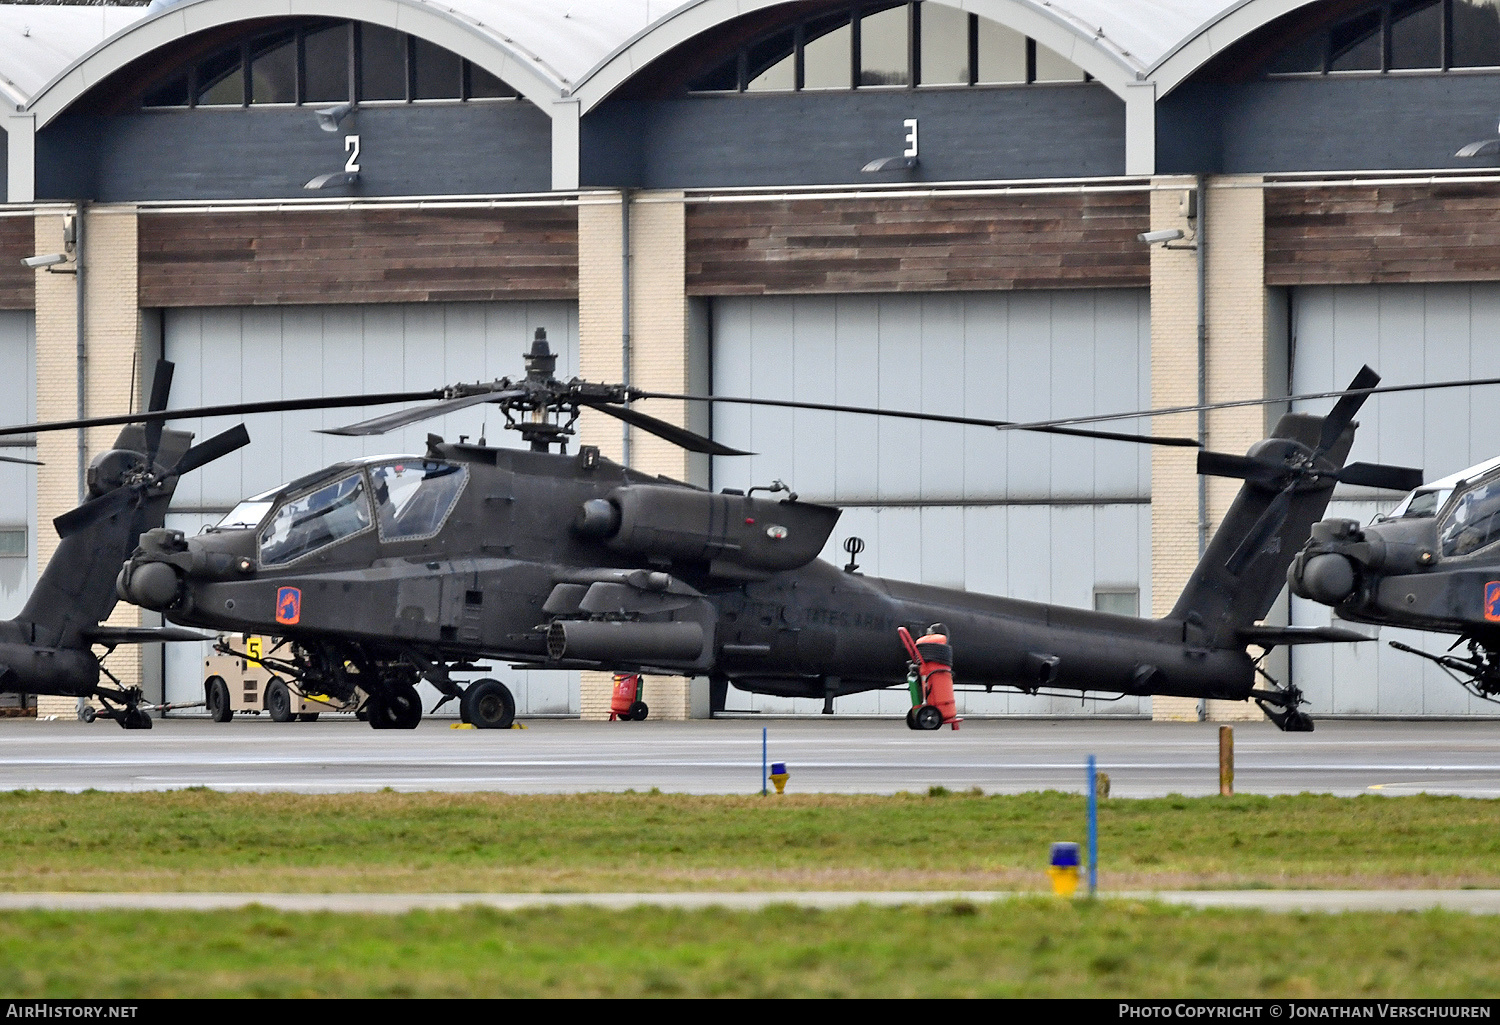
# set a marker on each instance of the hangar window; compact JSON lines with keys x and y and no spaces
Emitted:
{"x":318,"y":61}
{"x":1399,"y":35}
{"x":876,"y":45}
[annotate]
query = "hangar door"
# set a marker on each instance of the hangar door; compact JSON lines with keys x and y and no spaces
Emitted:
{"x":230,"y":355}
{"x":1030,"y":516}
{"x":1410,"y":333}
{"x":17,"y":482}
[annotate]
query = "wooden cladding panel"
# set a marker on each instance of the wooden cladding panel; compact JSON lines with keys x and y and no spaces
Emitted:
{"x":17,"y":283}
{"x":1360,"y":235}
{"x":358,"y":256}
{"x":930,"y":244}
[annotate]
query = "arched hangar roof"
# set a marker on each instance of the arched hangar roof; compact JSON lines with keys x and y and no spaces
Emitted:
{"x":541,"y":47}
{"x":557,"y":49}
{"x":37,"y":42}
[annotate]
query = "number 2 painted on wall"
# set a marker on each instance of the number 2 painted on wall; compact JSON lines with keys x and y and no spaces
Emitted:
{"x":351,"y":146}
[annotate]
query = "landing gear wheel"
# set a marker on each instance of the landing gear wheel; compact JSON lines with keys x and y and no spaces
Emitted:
{"x":488,"y":705}
{"x":638,"y":711}
{"x":217,"y":700}
{"x":278,"y":700}
{"x":401,"y":709}
{"x":89,"y":715}
{"x":376,"y":713}
{"x":307,"y":716}
{"x":135,"y":719}
{"x":927,"y":717}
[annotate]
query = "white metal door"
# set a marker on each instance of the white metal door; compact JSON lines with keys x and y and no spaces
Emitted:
{"x":1026,"y":515}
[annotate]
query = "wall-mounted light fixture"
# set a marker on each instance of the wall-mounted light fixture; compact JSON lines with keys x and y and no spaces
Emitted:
{"x":906,"y":161}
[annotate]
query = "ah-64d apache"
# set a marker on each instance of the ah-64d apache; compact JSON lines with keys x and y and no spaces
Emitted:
{"x":378,"y":573}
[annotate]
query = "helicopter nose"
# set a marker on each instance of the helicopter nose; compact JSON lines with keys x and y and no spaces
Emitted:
{"x":1328,"y":579}
{"x":154,"y":586}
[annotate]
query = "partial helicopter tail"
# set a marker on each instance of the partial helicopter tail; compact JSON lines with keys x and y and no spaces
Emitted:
{"x":76,"y":592}
{"x":1244,"y":567}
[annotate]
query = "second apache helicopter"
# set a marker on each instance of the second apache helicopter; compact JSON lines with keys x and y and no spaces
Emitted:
{"x":1432,"y":563}
{"x":381,"y":572}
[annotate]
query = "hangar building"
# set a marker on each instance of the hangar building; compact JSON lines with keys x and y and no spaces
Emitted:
{"x":918,"y":205}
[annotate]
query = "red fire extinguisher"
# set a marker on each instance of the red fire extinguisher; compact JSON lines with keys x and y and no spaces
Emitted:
{"x":625,"y":703}
{"x":932,"y":691}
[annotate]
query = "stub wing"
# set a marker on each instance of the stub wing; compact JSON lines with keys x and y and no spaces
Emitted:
{"x":1276,"y":636}
{"x":142,"y":634}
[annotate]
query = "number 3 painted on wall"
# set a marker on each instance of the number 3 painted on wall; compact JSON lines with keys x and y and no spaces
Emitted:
{"x":351,"y":146}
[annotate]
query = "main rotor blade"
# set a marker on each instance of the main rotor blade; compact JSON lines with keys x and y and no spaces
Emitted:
{"x":94,"y":510}
{"x":1337,"y":421}
{"x":1379,"y":475}
{"x":1222,"y":464}
{"x":235,"y":409}
{"x":678,"y":436}
{"x":161,"y":390}
{"x":1275,"y":400}
{"x":407,"y":417}
{"x":18,"y":459}
{"x":1255,"y":539}
{"x":219,"y":445}
{"x":942,"y":418}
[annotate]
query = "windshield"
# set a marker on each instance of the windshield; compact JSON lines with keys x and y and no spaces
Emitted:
{"x":1421,"y":505}
{"x":317,"y":520}
{"x":1474,"y":522}
{"x":413,"y":498}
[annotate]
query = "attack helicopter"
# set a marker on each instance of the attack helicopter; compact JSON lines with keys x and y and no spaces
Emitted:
{"x":379,"y":572}
{"x":49,"y":647}
{"x":1432,"y":563}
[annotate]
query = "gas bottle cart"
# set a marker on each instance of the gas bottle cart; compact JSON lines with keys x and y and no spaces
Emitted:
{"x":233,"y":684}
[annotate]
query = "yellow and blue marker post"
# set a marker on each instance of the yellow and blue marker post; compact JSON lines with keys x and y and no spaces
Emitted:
{"x":1093,"y":826}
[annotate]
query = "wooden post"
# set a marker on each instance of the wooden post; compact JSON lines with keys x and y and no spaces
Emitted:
{"x":1226,"y":761}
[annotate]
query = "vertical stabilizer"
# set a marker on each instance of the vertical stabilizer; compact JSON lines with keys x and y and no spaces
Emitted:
{"x":1244,"y":567}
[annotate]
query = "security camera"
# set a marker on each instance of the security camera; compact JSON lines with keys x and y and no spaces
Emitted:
{"x":1165,"y":235}
{"x":50,"y":260}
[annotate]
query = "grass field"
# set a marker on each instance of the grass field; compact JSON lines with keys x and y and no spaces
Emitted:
{"x":1032,"y":947}
{"x":209,"y":841}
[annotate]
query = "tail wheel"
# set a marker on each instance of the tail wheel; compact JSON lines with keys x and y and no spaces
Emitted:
{"x":278,"y":700}
{"x":638,"y":711}
{"x":216,"y":697}
{"x":927,"y":717}
{"x":488,"y":705}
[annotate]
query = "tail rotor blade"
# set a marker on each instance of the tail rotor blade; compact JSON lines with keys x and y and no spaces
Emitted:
{"x":1255,"y":539}
{"x":1379,"y":475}
{"x":219,"y":445}
{"x":94,"y":510}
{"x":161,"y":389}
{"x":1221,"y":464}
{"x":671,"y":432}
{"x":1344,"y":410}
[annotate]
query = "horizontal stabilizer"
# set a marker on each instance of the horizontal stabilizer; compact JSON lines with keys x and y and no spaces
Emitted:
{"x":141,"y":634}
{"x":1274,"y":636}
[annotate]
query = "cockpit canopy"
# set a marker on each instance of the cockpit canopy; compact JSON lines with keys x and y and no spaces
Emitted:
{"x":405,"y":498}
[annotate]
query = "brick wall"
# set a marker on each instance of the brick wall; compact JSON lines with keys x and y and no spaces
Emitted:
{"x":939,"y":244}
{"x":57,"y":399}
{"x":358,"y":256}
{"x":1174,"y":382}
